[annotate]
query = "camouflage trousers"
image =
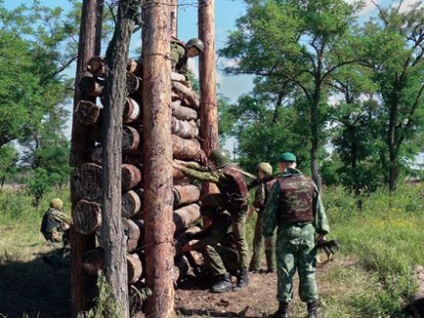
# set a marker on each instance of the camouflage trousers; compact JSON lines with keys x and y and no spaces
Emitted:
{"x":258,"y":243}
{"x":238,"y":221}
{"x":296,"y":252}
{"x":220,"y":259}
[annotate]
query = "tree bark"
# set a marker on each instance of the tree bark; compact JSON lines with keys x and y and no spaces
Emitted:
{"x":186,"y":216}
{"x":186,"y":148}
{"x":83,"y":285}
{"x":159,"y":228}
{"x":87,"y":217}
{"x":207,"y":82}
{"x":185,"y":194}
{"x":115,"y":245}
{"x":183,"y":112}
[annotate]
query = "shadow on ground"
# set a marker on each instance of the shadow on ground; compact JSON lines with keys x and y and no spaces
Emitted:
{"x":35,"y":288}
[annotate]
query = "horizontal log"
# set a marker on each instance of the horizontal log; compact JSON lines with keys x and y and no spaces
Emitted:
{"x":91,"y":86}
{"x":89,"y":113}
{"x":131,"y":139}
{"x":134,"y":268}
{"x":186,"y":93}
{"x":185,"y":216}
{"x":186,"y":149}
{"x":183,"y":112}
{"x":132,"y":204}
{"x":184,"y":129}
{"x":134,"y":84}
{"x":93,"y":261}
{"x":86,"y":182}
{"x":135,"y":67}
{"x":132,"y":111}
{"x":97,"y":66}
{"x":87,"y":217}
{"x":178,"y":77}
{"x":185,"y":194}
{"x":131,"y":176}
{"x":132,"y":232}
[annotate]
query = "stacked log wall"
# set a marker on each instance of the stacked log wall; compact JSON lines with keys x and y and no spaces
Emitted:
{"x":87,"y":177}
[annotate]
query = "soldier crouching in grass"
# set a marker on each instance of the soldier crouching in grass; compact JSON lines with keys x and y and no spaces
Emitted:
{"x":55,"y":227}
{"x":216,"y":243}
{"x":296,"y":210}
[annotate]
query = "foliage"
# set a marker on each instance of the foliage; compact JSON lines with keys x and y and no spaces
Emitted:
{"x":8,"y":159}
{"x":39,"y":185}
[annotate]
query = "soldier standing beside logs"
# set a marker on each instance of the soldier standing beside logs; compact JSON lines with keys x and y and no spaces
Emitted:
{"x":232,"y":197}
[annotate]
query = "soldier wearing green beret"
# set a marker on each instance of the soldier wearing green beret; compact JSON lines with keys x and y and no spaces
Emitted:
{"x":296,"y":210}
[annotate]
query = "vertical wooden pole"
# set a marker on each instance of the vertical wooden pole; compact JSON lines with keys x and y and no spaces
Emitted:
{"x":157,"y":149}
{"x":114,"y":241}
{"x":83,"y":285}
{"x":173,"y":15}
{"x":207,"y":81}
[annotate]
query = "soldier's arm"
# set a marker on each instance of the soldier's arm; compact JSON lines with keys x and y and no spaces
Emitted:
{"x":321,"y":222}
{"x":210,"y":176}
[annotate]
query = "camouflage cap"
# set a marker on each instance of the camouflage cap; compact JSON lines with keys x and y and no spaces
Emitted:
{"x":56,"y":204}
{"x":287,"y":157}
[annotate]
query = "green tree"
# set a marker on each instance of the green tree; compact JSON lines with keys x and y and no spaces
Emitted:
{"x":299,"y":45}
{"x":8,"y":160}
{"x":395,"y":40}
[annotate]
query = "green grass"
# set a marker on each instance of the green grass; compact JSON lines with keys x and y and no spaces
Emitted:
{"x":370,"y":277}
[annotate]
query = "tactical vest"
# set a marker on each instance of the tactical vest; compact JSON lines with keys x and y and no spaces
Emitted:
{"x":296,"y":199}
{"x":181,"y":65}
{"x":234,"y":191}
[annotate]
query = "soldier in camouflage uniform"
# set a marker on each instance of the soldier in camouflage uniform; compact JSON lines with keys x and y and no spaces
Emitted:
{"x":296,"y":210}
{"x":180,"y":52}
{"x":55,"y":223}
{"x":263,"y":169}
{"x":216,"y":244}
{"x":232,"y":197}
{"x":55,"y":228}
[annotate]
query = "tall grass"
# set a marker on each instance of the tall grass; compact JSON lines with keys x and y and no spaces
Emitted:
{"x":385,"y":237}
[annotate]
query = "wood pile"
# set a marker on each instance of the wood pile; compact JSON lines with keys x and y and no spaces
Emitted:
{"x":86,"y":178}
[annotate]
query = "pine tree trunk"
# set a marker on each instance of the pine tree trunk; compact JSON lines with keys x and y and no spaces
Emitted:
{"x":157,"y":150}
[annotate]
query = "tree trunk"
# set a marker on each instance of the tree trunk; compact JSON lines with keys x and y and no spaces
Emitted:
{"x":87,"y":217}
{"x":186,"y":216}
{"x":185,"y":194}
{"x":183,"y":112}
{"x":207,"y":81}
{"x":114,"y":242}
{"x":159,"y":227}
{"x":132,"y":204}
{"x":186,"y":148}
{"x":173,"y":18}
{"x":83,"y":285}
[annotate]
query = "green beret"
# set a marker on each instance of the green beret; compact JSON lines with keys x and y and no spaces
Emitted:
{"x":287,"y":157}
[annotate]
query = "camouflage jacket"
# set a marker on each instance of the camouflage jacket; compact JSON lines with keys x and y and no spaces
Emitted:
{"x":272,"y":212}
{"x":262,"y":195}
{"x":179,"y":56}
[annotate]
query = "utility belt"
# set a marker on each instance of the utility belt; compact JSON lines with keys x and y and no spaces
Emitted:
{"x":297,"y":224}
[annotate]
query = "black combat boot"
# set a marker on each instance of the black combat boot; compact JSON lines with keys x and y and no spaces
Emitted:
{"x":222,"y":284}
{"x":282,"y":311}
{"x":242,"y":279}
{"x":313,"y":310}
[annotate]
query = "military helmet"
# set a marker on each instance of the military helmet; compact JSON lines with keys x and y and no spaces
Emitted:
{"x":265,"y":167}
{"x":287,"y":157}
{"x":197,"y":43}
{"x":56,"y":204}
{"x":220,"y":157}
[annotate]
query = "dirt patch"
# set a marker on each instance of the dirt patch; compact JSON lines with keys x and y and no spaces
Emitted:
{"x":258,"y":300}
